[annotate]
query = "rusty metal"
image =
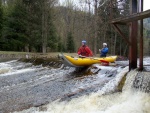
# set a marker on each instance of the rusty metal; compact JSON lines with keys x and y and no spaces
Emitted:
{"x":120,"y":32}
{"x":141,"y":38}
{"x":133,"y":37}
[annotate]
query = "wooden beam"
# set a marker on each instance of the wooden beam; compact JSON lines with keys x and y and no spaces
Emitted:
{"x":132,"y":17}
{"x":121,"y":34}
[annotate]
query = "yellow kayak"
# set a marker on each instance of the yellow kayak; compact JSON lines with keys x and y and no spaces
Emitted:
{"x":87,"y":61}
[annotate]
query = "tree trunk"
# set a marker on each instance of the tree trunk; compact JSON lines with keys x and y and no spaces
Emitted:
{"x":124,"y":54}
{"x":89,"y":26}
{"x":115,"y":43}
{"x":96,"y":19}
{"x":120,"y":46}
{"x":44,"y":27}
{"x":27,"y":48}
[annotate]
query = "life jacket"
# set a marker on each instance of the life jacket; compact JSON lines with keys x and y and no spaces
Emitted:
{"x":83,"y":51}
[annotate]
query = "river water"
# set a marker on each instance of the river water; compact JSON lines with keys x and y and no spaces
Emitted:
{"x":61,"y":90}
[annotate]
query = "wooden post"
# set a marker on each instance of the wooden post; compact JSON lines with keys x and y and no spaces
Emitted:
{"x":141,"y":38}
{"x":133,"y":37}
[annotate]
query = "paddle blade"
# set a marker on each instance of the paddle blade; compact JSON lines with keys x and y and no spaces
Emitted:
{"x":104,"y":63}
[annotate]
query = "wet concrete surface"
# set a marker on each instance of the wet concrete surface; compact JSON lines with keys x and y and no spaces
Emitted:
{"x":142,"y":81}
{"x":37,"y":85}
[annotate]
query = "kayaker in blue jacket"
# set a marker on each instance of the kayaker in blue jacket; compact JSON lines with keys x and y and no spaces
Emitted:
{"x":104,"y":50}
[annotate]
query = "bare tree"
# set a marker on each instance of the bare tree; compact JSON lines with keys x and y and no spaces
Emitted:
{"x":44,"y":25}
{"x":46,"y":6}
{"x":96,"y":25}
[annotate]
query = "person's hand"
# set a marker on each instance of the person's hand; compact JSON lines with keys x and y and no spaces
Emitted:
{"x":91,"y":57}
{"x":80,"y":55}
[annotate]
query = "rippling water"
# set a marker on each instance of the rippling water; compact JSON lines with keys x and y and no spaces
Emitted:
{"x":23,"y":84}
{"x":127,"y":101}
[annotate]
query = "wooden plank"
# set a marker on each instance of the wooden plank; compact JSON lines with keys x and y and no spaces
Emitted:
{"x":131,"y":18}
{"x":122,"y":35}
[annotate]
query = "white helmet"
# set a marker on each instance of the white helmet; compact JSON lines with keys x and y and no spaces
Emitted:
{"x":104,"y":44}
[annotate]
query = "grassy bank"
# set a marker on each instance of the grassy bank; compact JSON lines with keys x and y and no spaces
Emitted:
{"x":14,"y":54}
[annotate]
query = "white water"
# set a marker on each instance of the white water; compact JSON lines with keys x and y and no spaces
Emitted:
{"x":102,"y":101}
{"x":15,"y":67}
{"x":5,"y":67}
{"x":127,"y":101}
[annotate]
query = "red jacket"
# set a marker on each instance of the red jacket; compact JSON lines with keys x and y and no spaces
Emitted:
{"x":85,"y":51}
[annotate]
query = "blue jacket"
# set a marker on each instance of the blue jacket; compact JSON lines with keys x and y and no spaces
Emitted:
{"x":104,"y":51}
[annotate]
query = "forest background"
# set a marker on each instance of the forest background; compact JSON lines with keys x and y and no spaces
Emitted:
{"x":48,"y":26}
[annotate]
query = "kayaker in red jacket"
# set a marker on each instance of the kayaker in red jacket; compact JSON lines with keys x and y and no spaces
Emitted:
{"x":84,"y":50}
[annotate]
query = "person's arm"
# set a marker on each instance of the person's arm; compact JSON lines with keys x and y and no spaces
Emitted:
{"x":104,"y":50}
{"x":89,"y":51}
{"x":79,"y":51}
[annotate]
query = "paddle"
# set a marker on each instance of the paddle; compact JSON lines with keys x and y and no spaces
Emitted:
{"x":104,"y":62}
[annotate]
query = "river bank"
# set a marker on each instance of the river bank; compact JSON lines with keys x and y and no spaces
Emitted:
{"x":11,"y":55}
{"x":16,"y":55}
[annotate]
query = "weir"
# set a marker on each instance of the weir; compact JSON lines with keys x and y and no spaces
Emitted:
{"x":106,"y":100}
{"x":28,"y":83}
{"x":48,"y":86}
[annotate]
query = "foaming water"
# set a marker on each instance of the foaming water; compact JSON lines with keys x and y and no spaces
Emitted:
{"x":104,"y":101}
{"x":14,"y":67}
{"x":5,"y":67}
